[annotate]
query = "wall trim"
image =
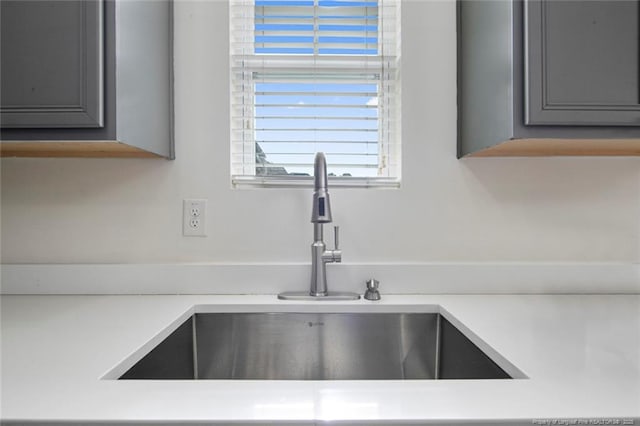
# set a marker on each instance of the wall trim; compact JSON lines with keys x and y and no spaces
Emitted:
{"x":254,"y":278}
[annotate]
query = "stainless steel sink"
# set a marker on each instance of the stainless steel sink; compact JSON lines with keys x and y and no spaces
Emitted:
{"x":316,"y":346}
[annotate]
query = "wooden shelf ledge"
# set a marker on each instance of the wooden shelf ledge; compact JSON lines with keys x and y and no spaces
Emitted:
{"x":74,"y":149}
{"x":561,"y":147}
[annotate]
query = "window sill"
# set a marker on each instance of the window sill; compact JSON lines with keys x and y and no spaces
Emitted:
{"x":250,"y":182}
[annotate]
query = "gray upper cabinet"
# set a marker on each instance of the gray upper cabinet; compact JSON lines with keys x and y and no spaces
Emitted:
{"x":52,"y":67}
{"x":87,"y":78}
{"x":582,"y":63}
{"x":548,"y":77}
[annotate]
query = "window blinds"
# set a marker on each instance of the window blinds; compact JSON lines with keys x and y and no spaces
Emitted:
{"x":314,"y":75}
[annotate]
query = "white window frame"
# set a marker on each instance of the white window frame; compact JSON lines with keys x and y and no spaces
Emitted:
{"x":245,"y":63}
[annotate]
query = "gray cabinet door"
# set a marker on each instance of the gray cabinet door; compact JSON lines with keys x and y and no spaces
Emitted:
{"x":582,"y":62}
{"x":51,"y":64}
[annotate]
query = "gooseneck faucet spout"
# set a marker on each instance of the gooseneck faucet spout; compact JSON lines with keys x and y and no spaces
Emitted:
{"x":320,"y":256}
{"x":320,"y":172}
{"x":321,"y":212}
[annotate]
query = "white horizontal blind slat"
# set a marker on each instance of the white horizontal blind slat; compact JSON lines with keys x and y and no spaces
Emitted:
{"x":312,"y":75}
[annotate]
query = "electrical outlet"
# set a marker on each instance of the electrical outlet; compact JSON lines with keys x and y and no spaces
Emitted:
{"x":194,"y":213}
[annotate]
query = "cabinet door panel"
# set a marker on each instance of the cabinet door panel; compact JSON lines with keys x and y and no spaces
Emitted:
{"x":52,"y":64}
{"x":582,"y":62}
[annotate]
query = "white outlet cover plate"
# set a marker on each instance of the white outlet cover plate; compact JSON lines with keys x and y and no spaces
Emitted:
{"x":194,"y":213}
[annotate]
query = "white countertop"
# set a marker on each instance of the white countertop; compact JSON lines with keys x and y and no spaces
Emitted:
{"x":581,"y":355}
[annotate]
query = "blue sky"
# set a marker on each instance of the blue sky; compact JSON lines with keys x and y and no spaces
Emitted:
{"x":342,"y":116}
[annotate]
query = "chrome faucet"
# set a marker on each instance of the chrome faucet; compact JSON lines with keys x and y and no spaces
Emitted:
{"x":320,"y":256}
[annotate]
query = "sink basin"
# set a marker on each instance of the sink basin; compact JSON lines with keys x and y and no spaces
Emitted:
{"x":315,"y":346}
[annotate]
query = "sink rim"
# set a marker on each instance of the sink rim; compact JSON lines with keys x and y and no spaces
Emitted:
{"x":312,"y":307}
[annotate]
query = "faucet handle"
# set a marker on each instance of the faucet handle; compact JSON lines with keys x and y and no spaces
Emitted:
{"x":334,"y":255}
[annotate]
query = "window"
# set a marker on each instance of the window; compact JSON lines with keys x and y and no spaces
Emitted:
{"x":314,"y":75}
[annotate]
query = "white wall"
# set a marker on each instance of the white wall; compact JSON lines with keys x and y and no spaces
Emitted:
{"x":129,"y":211}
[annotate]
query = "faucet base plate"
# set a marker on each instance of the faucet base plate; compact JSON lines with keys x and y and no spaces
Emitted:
{"x":332,"y":295}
